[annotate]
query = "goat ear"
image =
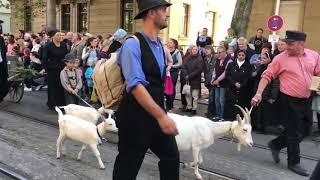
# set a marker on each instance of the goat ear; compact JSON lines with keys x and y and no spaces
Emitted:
{"x":238,"y":118}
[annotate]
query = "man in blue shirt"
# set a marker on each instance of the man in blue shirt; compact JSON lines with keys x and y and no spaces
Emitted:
{"x":141,"y":118}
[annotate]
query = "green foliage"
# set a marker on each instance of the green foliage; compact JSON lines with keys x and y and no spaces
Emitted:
{"x":24,"y":72}
{"x":19,"y":9}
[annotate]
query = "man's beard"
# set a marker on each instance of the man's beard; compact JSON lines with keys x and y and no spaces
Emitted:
{"x":162,"y":24}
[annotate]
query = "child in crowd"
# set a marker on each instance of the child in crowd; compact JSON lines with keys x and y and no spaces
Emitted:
{"x":88,"y":75}
{"x":35,"y":64}
{"x":71,"y":80}
{"x":231,"y":52}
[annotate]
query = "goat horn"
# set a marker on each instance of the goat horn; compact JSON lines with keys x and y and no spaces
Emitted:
{"x":248,"y":113}
{"x":250,"y":109}
{"x":245,"y":115}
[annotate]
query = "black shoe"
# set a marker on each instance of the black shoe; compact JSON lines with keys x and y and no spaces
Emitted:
{"x":193,"y":112}
{"x":298,"y":169}
{"x":275,"y":153}
{"x":215,"y":118}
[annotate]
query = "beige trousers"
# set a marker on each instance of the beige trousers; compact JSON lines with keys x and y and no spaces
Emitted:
{"x":195,"y":96}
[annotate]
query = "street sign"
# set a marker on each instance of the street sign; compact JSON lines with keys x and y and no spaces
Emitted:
{"x":273,"y":38}
{"x":275,"y":23}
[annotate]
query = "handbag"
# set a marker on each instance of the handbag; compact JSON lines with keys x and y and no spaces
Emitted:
{"x":94,"y":97}
{"x":186,"y":90}
{"x":168,"y":86}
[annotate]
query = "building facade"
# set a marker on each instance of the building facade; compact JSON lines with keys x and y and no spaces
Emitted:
{"x":5,"y":16}
{"x":303,"y":15}
{"x":187,"y":17}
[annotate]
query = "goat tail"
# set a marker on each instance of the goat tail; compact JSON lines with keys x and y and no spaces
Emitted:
{"x":59,"y":111}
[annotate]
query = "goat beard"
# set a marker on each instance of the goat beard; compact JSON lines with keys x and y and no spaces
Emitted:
{"x":239,"y":146}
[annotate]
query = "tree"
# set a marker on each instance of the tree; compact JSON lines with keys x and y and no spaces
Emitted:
{"x":241,"y":17}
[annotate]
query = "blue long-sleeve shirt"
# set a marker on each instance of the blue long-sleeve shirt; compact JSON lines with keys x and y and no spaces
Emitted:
{"x":129,"y":59}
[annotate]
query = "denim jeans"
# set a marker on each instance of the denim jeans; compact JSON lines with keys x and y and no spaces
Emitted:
{"x":219,"y":94}
{"x":211,"y":103}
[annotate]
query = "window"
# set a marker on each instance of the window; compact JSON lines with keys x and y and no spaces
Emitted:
{"x":28,"y":16}
{"x":127,"y":15}
{"x":185,"y":20}
{"x":211,"y":21}
{"x":82,"y":17}
{"x":65,"y":17}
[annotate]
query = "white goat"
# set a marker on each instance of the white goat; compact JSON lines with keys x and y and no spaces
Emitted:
{"x":86,"y":113}
{"x":197,"y":133}
{"x":83,"y":131}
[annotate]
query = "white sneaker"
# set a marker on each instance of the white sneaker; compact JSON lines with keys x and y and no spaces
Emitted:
{"x":38,"y":88}
{"x":27,"y":89}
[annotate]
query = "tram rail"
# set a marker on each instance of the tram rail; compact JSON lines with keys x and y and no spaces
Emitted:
{"x":11,"y":174}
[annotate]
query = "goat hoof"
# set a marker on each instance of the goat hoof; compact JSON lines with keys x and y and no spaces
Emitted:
{"x":199,"y":178}
{"x":102,"y":168}
{"x":58,"y":157}
{"x":78,"y":159}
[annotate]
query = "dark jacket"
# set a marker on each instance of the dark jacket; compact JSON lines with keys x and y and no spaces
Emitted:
{"x":53,"y":56}
{"x":114,"y":47}
{"x":241,"y":96}
{"x":4,"y":86}
{"x":129,"y":105}
{"x":76,"y":51}
{"x":257,"y":43}
{"x":242,"y":75}
{"x":219,"y":70}
{"x":193,"y":69}
{"x":272,"y":90}
{"x":202,"y":44}
{"x":208,"y":67}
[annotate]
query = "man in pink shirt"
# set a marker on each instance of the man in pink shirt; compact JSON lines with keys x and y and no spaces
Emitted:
{"x":295,"y":68}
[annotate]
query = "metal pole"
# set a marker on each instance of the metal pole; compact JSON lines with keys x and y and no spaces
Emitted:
{"x":275,"y":33}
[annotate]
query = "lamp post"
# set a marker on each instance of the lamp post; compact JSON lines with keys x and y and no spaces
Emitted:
{"x":275,"y":33}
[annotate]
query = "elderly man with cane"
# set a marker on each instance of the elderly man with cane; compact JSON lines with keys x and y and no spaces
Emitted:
{"x":295,"y":68}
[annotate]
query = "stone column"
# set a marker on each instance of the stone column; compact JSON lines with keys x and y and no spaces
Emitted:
{"x":51,"y":13}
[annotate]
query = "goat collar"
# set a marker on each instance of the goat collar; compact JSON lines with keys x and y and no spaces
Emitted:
{"x":230,"y":126}
{"x":99,"y":134}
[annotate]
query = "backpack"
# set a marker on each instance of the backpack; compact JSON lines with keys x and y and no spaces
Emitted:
{"x":108,"y":81}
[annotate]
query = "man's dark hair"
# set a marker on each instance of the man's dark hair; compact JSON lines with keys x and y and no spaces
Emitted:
{"x":35,"y":54}
{"x":266,"y":45}
{"x":242,"y":51}
{"x":99,"y":37}
{"x":259,"y":29}
{"x":37,"y":40}
{"x":33,"y":36}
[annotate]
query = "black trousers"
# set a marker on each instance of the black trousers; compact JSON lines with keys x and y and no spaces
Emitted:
{"x":136,"y":136}
{"x":318,"y":119}
{"x":297,"y":119}
{"x":55,"y":89}
{"x":183,"y":97}
{"x":316,"y":173}
{"x":70,"y":98}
